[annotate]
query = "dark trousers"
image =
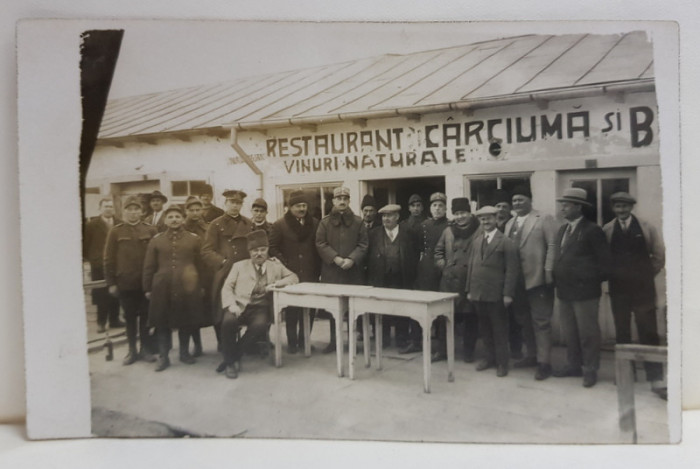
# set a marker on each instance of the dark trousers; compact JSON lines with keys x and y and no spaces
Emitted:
{"x":295,"y":325}
{"x":256,"y":318}
{"x":579,"y":322}
{"x":493,"y":326}
{"x":184,"y":334}
{"x":135,"y":307}
{"x":533,"y":309}
{"x":164,"y":336}
{"x":623,"y":304}
{"x":515,"y":329}
{"x":470,"y":331}
{"x":520,"y":323}
{"x":107,"y":307}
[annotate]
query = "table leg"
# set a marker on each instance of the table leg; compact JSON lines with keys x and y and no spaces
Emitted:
{"x":625,"y":399}
{"x":426,"y":355}
{"x":339,"y":340}
{"x":278,"y":337}
{"x":365,"y":338}
{"x":378,"y":339}
{"x":352,"y":342}
{"x":450,"y":347}
{"x":307,"y":332}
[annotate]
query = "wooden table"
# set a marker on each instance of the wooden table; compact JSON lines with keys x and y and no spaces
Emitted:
{"x":422,"y":306}
{"x":328,"y":296}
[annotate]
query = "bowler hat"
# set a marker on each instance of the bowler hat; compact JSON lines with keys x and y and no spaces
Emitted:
{"x":623,"y":197}
{"x":414,"y":198}
{"x":486,"y":210}
{"x":391,"y":208}
{"x":234,"y":195}
{"x":133,"y":200}
{"x":256,"y":239}
{"x":158,"y":195}
{"x":192,"y":200}
{"x":522,"y":190}
{"x":575,"y":195}
{"x":368,"y":200}
{"x":260,"y":203}
{"x":297,"y":197}
{"x":438,"y":197}
{"x":340,"y":191}
{"x":461,"y":204}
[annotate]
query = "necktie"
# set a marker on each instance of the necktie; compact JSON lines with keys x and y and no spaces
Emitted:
{"x":301,"y":221}
{"x":484,"y":244}
{"x":567,"y":234}
{"x":625,"y":225}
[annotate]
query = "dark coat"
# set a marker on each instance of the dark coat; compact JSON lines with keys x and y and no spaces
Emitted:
{"x":171,"y":274}
{"x":493,"y":272}
{"x":124,"y":255}
{"x":583,"y":264}
{"x":266,"y":227}
{"x":206,"y":275}
{"x":344,"y":236}
{"x":198,"y":227}
{"x":224,"y":244}
{"x":294,"y":245}
{"x":414,"y":225}
{"x":428,"y":276}
{"x":94,"y":239}
{"x":454,"y":250}
{"x":211,"y":213}
{"x":376,"y":257}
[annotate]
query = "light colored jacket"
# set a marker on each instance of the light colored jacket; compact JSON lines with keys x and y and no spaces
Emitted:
{"x":537,"y":246}
{"x":238,"y":286}
{"x":654,"y":242}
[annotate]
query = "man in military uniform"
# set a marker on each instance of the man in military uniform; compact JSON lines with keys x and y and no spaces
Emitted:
{"x":124,"y":255}
{"x":193,"y":220}
{"x":210,"y":212}
{"x":416,"y":218}
{"x":259,"y":210}
{"x":156,"y":217}
{"x":195,"y":224}
{"x":225,"y":244}
{"x":428,"y":275}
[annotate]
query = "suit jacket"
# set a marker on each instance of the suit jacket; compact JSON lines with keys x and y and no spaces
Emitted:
{"x":294,"y":245}
{"x":493,"y":272}
{"x":654,"y":242}
{"x":94,"y":239}
{"x":583,"y":264}
{"x":376,"y":257}
{"x":160,"y":224}
{"x":538,"y":240}
{"x":238,"y":286}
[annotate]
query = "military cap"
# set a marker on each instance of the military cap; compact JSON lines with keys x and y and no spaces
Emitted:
{"x":623,"y":197}
{"x":133,"y":200}
{"x":575,"y":195}
{"x":192,"y":200}
{"x":438,"y":197}
{"x":256,"y":239}
{"x":414,"y":198}
{"x":234,"y":195}
{"x":486,"y":210}
{"x":158,"y":195}
{"x":391,"y":208}
{"x":338,"y":191}
{"x":461,"y":204}
{"x":173,"y":208}
{"x":260,"y":203}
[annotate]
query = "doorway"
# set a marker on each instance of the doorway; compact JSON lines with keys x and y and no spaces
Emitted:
{"x":398,"y":191}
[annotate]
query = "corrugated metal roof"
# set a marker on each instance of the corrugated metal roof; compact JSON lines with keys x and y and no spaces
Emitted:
{"x":490,"y":69}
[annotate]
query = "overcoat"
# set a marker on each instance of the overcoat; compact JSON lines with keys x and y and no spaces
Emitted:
{"x":294,"y":245}
{"x":171,"y":274}
{"x":125,"y":253}
{"x":211,"y":213}
{"x":266,"y":227}
{"x":537,"y":244}
{"x":493,"y":269}
{"x":454,"y":250}
{"x":94,"y":239}
{"x":414,"y":224}
{"x":428,"y":275}
{"x":206,"y":275}
{"x":342,"y":235}
{"x":224,"y":244}
{"x":376,"y":257}
{"x":582,"y":264}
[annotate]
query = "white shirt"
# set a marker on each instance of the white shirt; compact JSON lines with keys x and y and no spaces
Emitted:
{"x":392,"y":234}
{"x":489,"y":236}
{"x":625,"y":224}
{"x":520,"y":220}
{"x":156,"y":217}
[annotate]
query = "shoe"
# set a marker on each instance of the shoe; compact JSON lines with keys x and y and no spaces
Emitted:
{"x":163,"y":363}
{"x":589,"y":379}
{"x":197,"y":351}
{"x":527,"y":362}
{"x":484,"y":365}
{"x":291,"y":349}
{"x":130,"y":359}
{"x":468,"y":357}
{"x":101,"y":328}
{"x":516,"y":354}
{"x":147,"y":357}
{"x":221,"y":367}
{"x":330,"y":348}
{"x":438,"y":357}
{"x":412,"y":347}
{"x":117,"y":325}
{"x":567,"y":372}
{"x":231,"y":372}
{"x":187,"y":359}
{"x":544,"y":371}
{"x":501,"y":371}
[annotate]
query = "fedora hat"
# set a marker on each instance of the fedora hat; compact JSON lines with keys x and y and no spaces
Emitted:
{"x":575,"y":195}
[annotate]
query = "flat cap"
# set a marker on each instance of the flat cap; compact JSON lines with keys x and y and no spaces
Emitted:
{"x":391,"y":208}
{"x":486,"y":210}
{"x":193,"y":200}
{"x":338,"y":191}
{"x":260,"y":203}
{"x":623,"y":197}
{"x":234,"y":195}
{"x":438,"y":197}
{"x":414,"y":198}
{"x":133,"y":200}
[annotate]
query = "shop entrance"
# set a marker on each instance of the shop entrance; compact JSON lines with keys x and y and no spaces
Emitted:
{"x":398,"y":191}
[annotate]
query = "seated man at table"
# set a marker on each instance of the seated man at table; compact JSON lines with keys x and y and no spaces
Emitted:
{"x":246,"y":299}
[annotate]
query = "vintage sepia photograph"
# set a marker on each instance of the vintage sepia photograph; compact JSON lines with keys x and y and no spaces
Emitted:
{"x":419,"y":232}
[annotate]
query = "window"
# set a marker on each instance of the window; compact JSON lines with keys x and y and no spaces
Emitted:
{"x":320,"y":198}
{"x":599,"y":186}
{"x":481,"y":189}
{"x":186,"y":188}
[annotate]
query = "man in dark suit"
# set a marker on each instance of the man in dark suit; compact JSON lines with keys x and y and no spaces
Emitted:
{"x":581,"y":264}
{"x":369,"y":213}
{"x":156,"y":217}
{"x":96,"y":231}
{"x":392,"y":258}
{"x":210,"y":212}
{"x":637,"y":252}
{"x":534,"y":234}
{"x":293,"y":242}
{"x":491,"y":277}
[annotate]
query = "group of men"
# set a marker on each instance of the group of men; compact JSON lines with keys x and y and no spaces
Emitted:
{"x":506,"y":261}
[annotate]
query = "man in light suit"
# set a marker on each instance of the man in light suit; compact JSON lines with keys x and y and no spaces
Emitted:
{"x":535,"y":235}
{"x":245,"y":299}
{"x":491,"y":278}
{"x":581,"y":264}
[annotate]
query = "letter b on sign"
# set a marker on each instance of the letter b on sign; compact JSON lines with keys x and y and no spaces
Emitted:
{"x":641,"y":133}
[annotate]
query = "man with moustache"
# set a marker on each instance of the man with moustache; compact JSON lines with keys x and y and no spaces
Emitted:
{"x":156,"y":217}
{"x":341,"y":241}
{"x":259,"y":211}
{"x":210,"y":212}
{"x":392,"y":258}
{"x":293,"y":242}
{"x":581,"y":264}
{"x":94,"y":239}
{"x":534,"y":234}
{"x":246,"y":299}
{"x":369,"y":212}
{"x":124,"y":255}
